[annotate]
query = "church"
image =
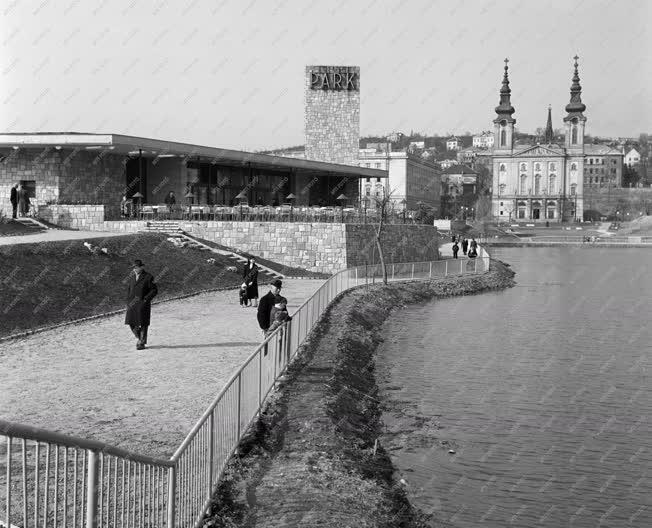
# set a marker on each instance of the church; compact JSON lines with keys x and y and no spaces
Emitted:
{"x":542,"y":182}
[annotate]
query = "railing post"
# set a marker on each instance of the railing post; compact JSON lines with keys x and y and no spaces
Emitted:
{"x":211,"y":454}
{"x":412,"y":270}
{"x":392,"y":271}
{"x":92,"y":478}
{"x":430,"y":271}
{"x":475,"y":265}
{"x":446,"y":268}
{"x":260,"y":379}
{"x":462,"y":267}
{"x":356,"y":276}
{"x":172,"y":496}
{"x":239,"y":400}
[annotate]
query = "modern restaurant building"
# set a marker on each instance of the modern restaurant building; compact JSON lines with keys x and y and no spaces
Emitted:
{"x":99,"y":169}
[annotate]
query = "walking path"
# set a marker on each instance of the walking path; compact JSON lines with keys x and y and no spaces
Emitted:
{"x":89,"y":380}
{"x":52,"y":235}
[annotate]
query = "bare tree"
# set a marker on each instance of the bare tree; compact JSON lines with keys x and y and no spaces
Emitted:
{"x":384,"y":205}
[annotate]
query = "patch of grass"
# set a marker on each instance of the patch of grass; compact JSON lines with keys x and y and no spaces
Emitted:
{"x":53,"y":282}
{"x":288,"y":271}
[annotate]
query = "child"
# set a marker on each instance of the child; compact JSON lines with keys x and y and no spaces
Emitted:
{"x":278,"y":315}
{"x":244,"y":300}
{"x":456,"y":248}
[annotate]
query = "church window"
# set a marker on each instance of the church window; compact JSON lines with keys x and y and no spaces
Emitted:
{"x":573,"y":166}
{"x":523,"y":167}
{"x":551,"y":184}
{"x":523,"y":183}
{"x":503,"y":138}
{"x":590,"y":161}
{"x":537,"y":183}
{"x":552,"y":167}
{"x":502,"y":167}
{"x":537,"y":167}
{"x":602,"y":161}
{"x":573,"y":189}
{"x":501,"y":204}
{"x":574,"y":136}
{"x":502,"y":188}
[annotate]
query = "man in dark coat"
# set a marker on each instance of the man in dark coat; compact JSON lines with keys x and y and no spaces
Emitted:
{"x":141,"y":291}
{"x":267,"y":303}
{"x":465,"y":245}
{"x":13,"y":198}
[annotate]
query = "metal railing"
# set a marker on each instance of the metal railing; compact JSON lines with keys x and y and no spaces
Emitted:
{"x":52,"y":480}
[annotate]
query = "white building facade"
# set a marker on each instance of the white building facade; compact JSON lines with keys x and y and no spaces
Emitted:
{"x":411,"y":179}
{"x":542,"y":182}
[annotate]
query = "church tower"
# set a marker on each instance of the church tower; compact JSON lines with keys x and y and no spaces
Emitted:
{"x":549,"y":136}
{"x":575,"y":120}
{"x":504,"y":122}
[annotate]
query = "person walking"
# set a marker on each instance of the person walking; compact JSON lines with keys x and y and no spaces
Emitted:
{"x":13,"y":198}
{"x":23,"y":201}
{"x":141,"y":290}
{"x":465,"y":245}
{"x":170,"y":201}
{"x":267,"y":302}
{"x":474,"y":245}
{"x":456,"y":248}
{"x":251,"y":279}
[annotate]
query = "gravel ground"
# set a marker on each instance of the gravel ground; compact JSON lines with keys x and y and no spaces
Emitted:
{"x":89,"y":380}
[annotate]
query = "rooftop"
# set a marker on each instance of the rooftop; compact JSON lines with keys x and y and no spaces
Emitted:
{"x":156,"y":148}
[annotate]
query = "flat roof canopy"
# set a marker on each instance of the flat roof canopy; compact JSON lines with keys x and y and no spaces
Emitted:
{"x":155,"y":148}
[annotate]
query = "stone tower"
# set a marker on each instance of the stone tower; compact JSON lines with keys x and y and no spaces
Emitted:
{"x":332,"y":114}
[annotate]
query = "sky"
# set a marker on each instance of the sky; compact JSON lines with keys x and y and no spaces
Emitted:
{"x":230,"y":73}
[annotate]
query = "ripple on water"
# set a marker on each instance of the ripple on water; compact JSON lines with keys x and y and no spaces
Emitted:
{"x":544,"y":389}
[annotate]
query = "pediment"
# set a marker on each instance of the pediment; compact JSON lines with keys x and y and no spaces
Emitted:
{"x":538,"y":151}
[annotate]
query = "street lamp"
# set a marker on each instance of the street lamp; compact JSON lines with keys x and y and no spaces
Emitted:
{"x":138,"y":197}
{"x":291,"y":197}
{"x":189,"y":196}
{"x":240,"y":197}
{"x":404,"y":204}
{"x":342,"y":198}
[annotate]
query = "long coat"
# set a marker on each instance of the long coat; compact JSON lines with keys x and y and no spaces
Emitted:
{"x":23,"y":201}
{"x":251,"y":278}
{"x":139,"y":299}
{"x":13,"y":196}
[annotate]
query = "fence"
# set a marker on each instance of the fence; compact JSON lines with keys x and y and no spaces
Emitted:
{"x":52,"y":480}
{"x":608,"y":240}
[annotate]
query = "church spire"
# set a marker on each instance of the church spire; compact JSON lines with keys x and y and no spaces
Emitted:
{"x":505,"y":108}
{"x":549,"y":136}
{"x":575,"y":107}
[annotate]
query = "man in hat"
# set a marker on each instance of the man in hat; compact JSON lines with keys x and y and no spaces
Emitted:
{"x":141,"y":291}
{"x":266,"y":304}
{"x":13,"y":198}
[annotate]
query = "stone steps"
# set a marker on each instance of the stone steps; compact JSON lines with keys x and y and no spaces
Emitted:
{"x":30,"y":223}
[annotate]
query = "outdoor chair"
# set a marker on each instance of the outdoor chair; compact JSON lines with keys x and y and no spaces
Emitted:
{"x":147,"y":211}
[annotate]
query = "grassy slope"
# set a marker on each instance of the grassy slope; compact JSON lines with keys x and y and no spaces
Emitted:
{"x":49,"y":283}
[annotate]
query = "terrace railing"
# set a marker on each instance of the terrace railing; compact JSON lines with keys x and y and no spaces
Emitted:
{"x":49,"y":479}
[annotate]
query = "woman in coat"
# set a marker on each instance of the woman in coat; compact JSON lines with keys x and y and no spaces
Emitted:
{"x":251,"y":279}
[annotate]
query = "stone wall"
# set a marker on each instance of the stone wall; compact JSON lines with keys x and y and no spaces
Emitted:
{"x":322,"y":247}
{"x":84,"y":217}
{"x":332,"y":119}
{"x":401,"y":243}
{"x":41,"y":166}
{"x":92,"y":178}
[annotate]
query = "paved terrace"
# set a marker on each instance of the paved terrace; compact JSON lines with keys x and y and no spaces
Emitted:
{"x":89,"y":380}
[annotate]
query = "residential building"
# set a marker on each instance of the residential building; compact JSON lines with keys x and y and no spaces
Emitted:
{"x":453,"y":143}
{"x":458,"y":190}
{"x":484,"y":140}
{"x":445,"y":164}
{"x":632,"y":157}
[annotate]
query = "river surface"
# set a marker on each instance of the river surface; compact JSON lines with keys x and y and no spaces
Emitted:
{"x":543,"y":392}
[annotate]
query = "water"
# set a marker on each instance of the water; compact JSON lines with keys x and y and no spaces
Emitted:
{"x":543,"y":391}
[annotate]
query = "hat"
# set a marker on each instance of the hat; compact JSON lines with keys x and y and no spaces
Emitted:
{"x":138,"y":263}
{"x":277,"y":283}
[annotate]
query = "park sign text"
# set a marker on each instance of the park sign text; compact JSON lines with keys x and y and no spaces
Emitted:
{"x":334,"y":78}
